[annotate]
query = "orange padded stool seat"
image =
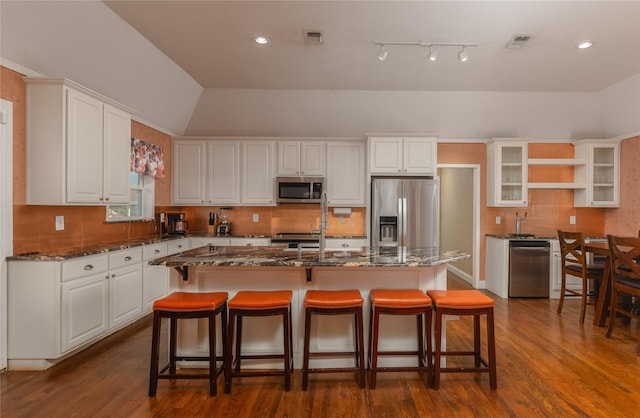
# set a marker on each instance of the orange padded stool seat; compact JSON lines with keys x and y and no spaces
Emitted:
{"x":259,"y":303}
{"x":465,"y":302}
{"x":182,"y":305}
{"x":400,"y":302}
{"x":334,"y":302}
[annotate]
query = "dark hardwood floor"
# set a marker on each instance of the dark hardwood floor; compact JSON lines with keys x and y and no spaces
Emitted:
{"x":548,"y":365}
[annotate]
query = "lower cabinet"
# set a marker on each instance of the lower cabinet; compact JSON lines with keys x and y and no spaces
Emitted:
{"x":84,"y":304}
{"x":125,"y":295}
{"x":155,"y":279}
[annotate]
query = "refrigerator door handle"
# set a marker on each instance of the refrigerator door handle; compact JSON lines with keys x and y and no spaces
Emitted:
{"x":402,"y":209}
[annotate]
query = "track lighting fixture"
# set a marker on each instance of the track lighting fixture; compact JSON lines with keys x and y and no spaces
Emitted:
{"x":463,"y":55}
{"x":382,"y":55}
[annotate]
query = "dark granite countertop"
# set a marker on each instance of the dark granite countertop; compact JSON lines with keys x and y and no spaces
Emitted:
{"x":76,"y":252}
{"x":216,"y":256}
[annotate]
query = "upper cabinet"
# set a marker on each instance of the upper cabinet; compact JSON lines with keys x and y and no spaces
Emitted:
{"x":408,"y":155}
{"x":507,"y":173}
{"x":299,"y":158}
{"x":258,"y":171}
{"x":600,"y":174}
{"x":78,"y":145}
{"x":206,"y":172}
{"x":345,"y":173}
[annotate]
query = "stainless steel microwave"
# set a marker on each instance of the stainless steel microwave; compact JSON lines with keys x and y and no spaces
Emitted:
{"x":299,"y":189}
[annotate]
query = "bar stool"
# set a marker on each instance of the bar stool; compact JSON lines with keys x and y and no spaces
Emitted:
{"x":259,"y":304}
{"x":182,"y":305}
{"x":400,"y":302}
{"x":465,"y":302}
{"x":334,"y":302}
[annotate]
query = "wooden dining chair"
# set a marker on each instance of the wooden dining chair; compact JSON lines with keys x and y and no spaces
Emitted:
{"x":574,"y":262}
{"x":625,"y":277}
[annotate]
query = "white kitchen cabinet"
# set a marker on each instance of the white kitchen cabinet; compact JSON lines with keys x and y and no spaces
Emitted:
{"x":223,"y":172}
{"x":497,"y":266}
{"x":407,"y":155}
{"x":507,"y":173}
{"x":197,"y":242}
{"x":300,"y":158}
{"x":78,"y":145}
{"x":346,"y":173}
{"x":188,"y":173}
{"x":600,"y":174}
{"x":125,"y":286}
{"x":84,"y":310}
{"x":250,"y":241}
{"x":155,"y":279}
{"x":178,"y":245}
{"x":258,"y":173}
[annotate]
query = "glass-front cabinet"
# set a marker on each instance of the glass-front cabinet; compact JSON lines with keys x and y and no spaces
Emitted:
{"x":507,"y":173}
{"x":601,"y":174}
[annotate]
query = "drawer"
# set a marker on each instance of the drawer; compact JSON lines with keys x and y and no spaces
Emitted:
{"x":177,"y":246}
{"x":84,"y":266}
{"x":345,"y":243}
{"x":149,"y":252}
{"x":125,"y":258}
{"x":256,"y":242}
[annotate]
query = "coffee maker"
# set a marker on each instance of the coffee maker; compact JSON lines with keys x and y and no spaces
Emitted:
{"x":177,"y":223}
{"x":224,"y":227}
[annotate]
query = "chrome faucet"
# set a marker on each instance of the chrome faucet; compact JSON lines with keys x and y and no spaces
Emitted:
{"x":519,"y":221}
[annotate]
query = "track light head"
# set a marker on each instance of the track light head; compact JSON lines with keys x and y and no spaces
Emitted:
{"x":382,"y":55}
{"x":462,"y":55}
{"x":433,"y":54}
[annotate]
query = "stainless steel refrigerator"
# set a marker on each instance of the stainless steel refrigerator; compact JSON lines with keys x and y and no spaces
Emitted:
{"x":405,"y":212}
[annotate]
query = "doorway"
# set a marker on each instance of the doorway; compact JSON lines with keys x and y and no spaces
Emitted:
{"x":6,"y":216}
{"x":460,"y":217}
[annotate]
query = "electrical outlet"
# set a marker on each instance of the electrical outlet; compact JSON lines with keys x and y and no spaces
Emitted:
{"x":59,"y":223}
{"x":498,"y":220}
{"x":256,"y":217}
{"x":572,"y":219}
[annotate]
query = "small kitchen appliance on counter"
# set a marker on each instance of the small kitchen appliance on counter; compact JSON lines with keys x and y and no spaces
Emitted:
{"x":224,"y":227}
{"x":177,"y":223}
{"x":213,"y":219}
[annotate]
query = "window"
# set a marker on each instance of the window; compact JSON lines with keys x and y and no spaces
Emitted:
{"x":141,"y":202}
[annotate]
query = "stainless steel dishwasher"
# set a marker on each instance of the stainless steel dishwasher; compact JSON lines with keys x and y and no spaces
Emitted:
{"x":529,"y":265}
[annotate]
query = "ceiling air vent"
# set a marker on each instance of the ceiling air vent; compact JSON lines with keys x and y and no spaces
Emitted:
{"x":313,"y":37}
{"x":517,"y":41}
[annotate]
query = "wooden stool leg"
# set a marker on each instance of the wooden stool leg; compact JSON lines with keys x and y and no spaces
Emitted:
{"x":420,"y":336}
{"x":476,"y":340}
{"x":155,"y":345}
{"x":286,"y":316}
{"x":305,"y":361}
{"x":229,"y":354}
{"x":438,"y":353}
{"x":374,"y":349}
{"x":238,"y":342}
{"x":360,"y":347}
{"x":429,"y":350}
{"x":290,"y":339}
{"x":491,"y":344}
{"x":173,"y":336}
{"x":213,"y":387}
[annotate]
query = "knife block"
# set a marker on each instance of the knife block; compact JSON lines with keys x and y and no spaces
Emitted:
{"x":211,"y":229}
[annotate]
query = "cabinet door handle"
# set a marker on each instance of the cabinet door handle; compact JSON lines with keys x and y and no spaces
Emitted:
{"x":345,"y":245}
{"x":127,"y":258}
{"x":157,"y":252}
{"x":89,"y":267}
{"x":107,"y":199}
{"x":179,"y":246}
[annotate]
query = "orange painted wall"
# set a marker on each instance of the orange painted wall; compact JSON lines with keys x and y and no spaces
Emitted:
{"x":625,"y":220}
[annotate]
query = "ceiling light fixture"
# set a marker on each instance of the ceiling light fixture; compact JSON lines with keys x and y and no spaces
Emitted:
{"x":433,"y":53}
{"x":261,"y":39}
{"x":585,"y":45}
{"x":382,"y":55}
{"x":462,"y":55}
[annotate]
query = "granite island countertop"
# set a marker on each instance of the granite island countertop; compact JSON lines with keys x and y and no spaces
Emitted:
{"x":217,"y":256}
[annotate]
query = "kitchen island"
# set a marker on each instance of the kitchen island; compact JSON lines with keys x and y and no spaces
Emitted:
{"x":230,"y":269}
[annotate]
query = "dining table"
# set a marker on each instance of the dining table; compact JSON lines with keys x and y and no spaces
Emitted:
{"x":604,"y":293}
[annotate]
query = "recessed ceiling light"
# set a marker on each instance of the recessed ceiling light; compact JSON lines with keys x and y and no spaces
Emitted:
{"x":261,"y":39}
{"x":585,"y":45}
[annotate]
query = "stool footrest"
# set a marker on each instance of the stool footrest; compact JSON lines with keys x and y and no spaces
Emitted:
{"x":256,"y":373}
{"x":403,"y":368}
{"x":334,"y":354}
{"x":334,"y":370}
{"x":465,"y":369}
